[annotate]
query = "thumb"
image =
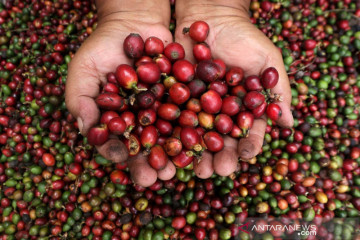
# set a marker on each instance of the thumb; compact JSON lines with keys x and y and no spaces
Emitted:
{"x":82,"y":87}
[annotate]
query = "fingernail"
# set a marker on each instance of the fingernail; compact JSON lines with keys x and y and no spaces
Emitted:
{"x":80,"y":124}
{"x":246,"y":151}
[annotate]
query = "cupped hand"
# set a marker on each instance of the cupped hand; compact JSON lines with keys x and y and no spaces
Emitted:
{"x":236,"y":41}
{"x":100,"y":54}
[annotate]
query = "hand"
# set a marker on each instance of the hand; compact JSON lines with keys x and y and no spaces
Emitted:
{"x":236,"y":41}
{"x":100,"y":54}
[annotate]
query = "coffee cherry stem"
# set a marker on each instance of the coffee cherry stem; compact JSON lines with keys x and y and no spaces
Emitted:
{"x":138,"y":90}
{"x":146,"y":152}
{"x":127,"y":132}
{"x":132,"y":99}
{"x":245,"y":133}
{"x":270,"y":97}
{"x":186,"y":30}
{"x":122,"y":93}
{"x":276,"y":97}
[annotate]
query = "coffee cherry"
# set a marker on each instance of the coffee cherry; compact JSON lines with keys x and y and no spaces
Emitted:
{"x":269,"y":78}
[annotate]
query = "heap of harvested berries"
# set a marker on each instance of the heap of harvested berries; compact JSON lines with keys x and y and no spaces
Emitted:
{"x":169,"y":107}
{"x":53,"y":186}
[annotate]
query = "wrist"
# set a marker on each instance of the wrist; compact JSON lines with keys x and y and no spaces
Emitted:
{"x":151,"y":12}
{"x":207,"y":9}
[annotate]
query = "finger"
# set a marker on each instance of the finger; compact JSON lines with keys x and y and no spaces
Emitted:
{"x":168,"y":172}
{"x":203,"y":167}
{"x":283,"y":89}
{"x":82,"y":86}
{"x":225,"y":161}
{"x":250,"y":146}
{"x":114,"y":150}
{"x":185,"y":41}
{"x":141,"y":172}
{"x":230,"y":142}
{"x":85,"y":76}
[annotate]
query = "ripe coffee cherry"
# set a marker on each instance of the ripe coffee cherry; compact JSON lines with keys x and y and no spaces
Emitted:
{"x":168,"y":111}
{"x":179,"y":93}
{"x":190,"y":139}
{"x":252,"y":83}
{"x":117,"y":126}
{"x":164,"y":127}
{"x":183,"y":71}
{"x":183,"y":159}
{"x":245,"y":121}
{"x":234,"y":76}
{"x":238,"y":91}
{"x":260,"y":110}
{"x":163,"y":63}
{"x":157,"y":157}
{"x":211,"y":102}
{"x":309,"y":44}
{"x":146,"y":117}
{"x":118,"y":177}
{"x":178,"y":222}
{"x":133,"y":45}
{"x":223,"y":123}
{"x":174,"y":51}
{"x":201,"y":52}
{"x":213,"y":141}
{"x":206,"y":120}
{"x":142,"y":60}
{"x":199,"y":31}
{"x":109,"y":87}
{"x":149,"y":137}
{"x":110,"y":101}
{"x":220,"y":87}
{"x":231,"y":105}
{"x":273,"y":111}
{"x":148,"y":73}
{"x":107,"y":116}
{"x":98,"y":135}
{"x":269,"y":78}
{"x":145,"y":99}
{"x":132,"y":144}
{"x":126,"y":76}
{"x":48,"y":159}
{"x":253,"y":99}
{"x":188,"y":119}
{"x":158,"y":90}
{"x":197,"y":87}
{"x":267,"y":6}
{"x":153,"y":46}
{"x":221,"y":67}
{"x":208,"y":71}
{"x":172,"y":146}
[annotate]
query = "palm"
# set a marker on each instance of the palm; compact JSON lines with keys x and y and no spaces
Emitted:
{"x":233,"y":39}
{"x":103,"y":51}
{"x":237,"y":43}
{"x":241,"y":44}
{"x":97,"y":57}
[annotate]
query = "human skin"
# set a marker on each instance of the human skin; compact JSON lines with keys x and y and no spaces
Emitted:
{"x":100,"y":54}
{"x":230,"y":30}
{"x":235,"y":40}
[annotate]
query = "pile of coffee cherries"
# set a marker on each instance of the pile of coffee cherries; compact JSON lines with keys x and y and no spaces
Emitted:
{"x":53,"y":185}
{"x":169,"y":107}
